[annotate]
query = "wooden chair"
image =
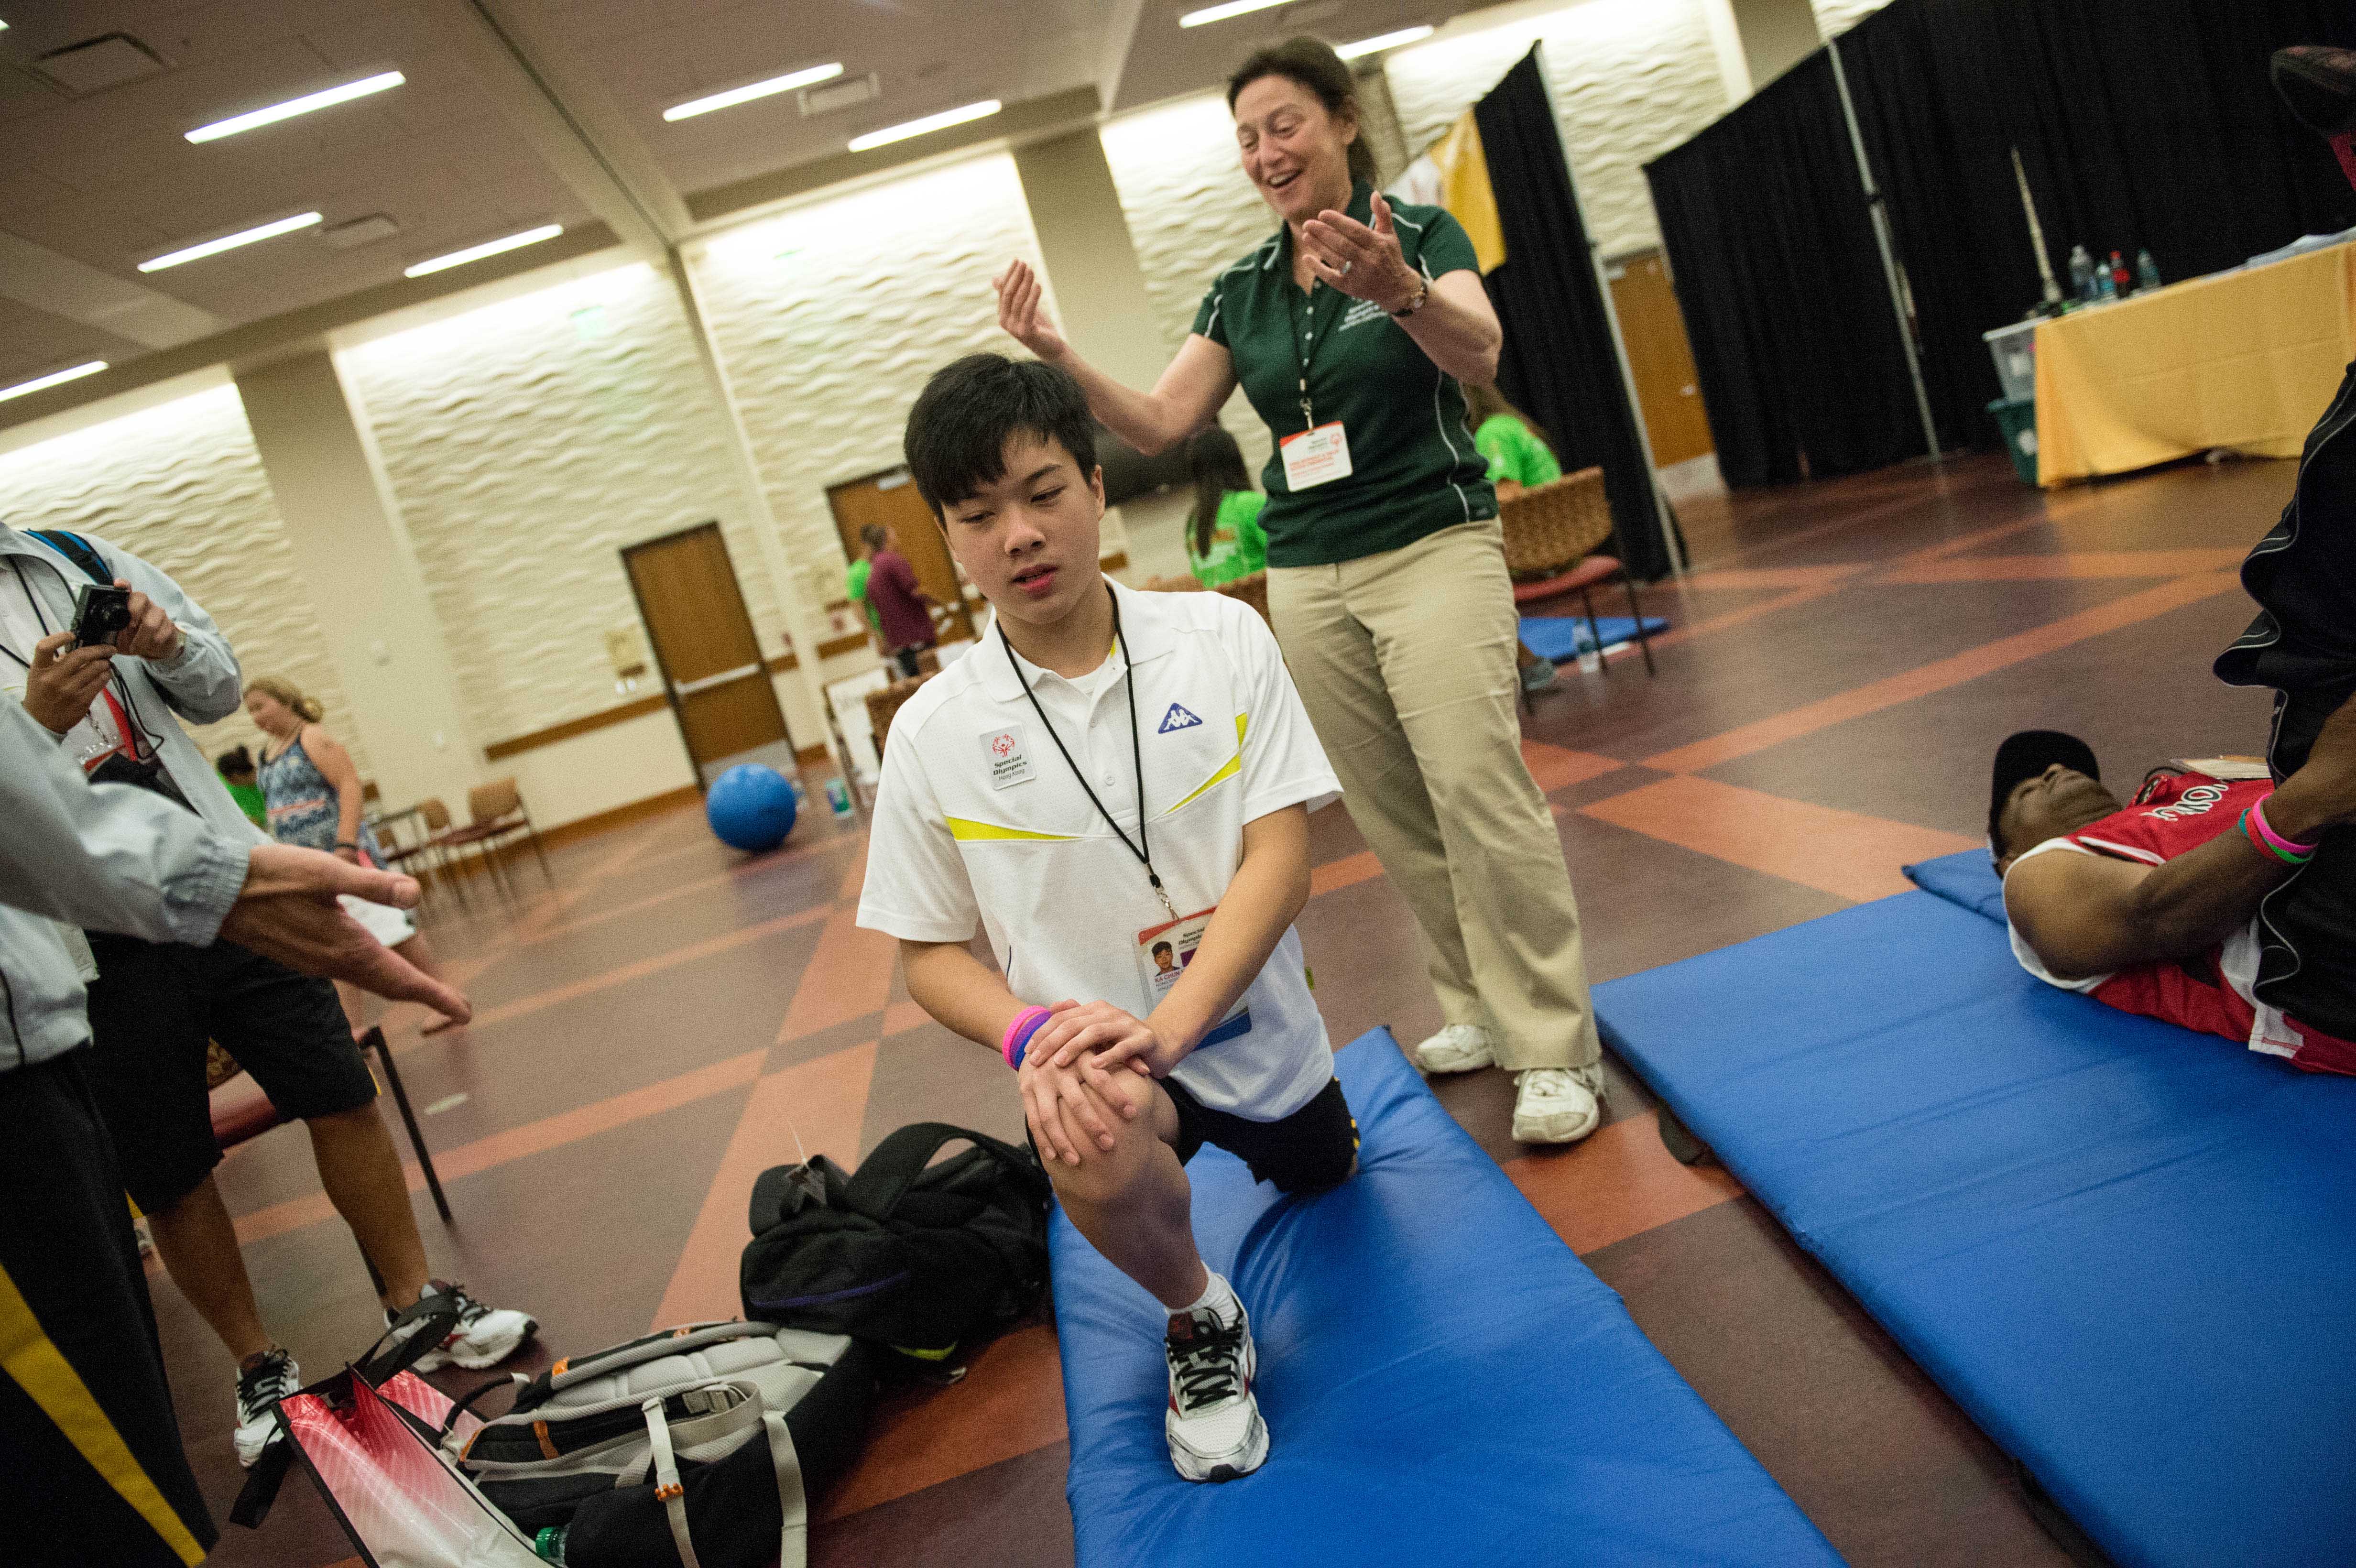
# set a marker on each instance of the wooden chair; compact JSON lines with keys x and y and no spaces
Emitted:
{"x":241,"y":1112}
{"x":1552,"y":531}
{"x":881,"y":705}
{"x":432,"y":851}
{"x":499,"y":812}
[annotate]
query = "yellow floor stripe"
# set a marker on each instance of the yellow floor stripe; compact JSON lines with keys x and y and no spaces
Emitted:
{"x":42,"y":1371}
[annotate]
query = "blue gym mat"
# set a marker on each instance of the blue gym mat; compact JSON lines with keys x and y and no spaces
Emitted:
{"x":1444,"y":1381}
{"x":1549,"y":637}
{"x":2127,"y":1250}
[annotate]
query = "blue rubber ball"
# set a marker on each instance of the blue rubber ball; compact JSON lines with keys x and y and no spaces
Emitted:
{"x":750,"y":807}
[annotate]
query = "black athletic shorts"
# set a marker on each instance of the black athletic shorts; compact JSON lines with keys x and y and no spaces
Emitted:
{"x":153,"y":1007}
{"x":1307,"y":1151}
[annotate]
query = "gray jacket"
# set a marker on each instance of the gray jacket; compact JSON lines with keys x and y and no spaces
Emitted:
{"x":202,"y":684}
{"x":108,"y":857}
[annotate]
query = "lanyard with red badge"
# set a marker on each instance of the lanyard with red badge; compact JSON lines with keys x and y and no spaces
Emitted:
{"x":1317,"y":454}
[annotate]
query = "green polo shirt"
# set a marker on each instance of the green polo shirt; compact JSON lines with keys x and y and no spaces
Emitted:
{"x":1413,"y":469}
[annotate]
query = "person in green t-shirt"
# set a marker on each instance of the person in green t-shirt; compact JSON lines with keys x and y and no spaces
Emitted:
{"x":236,"y":769}
{"x":871,"y":539}
{"x":1224,"y":541}
{"x":1519,"y":456}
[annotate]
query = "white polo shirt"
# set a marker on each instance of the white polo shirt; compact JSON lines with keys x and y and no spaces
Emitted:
{"x":979,"y":818}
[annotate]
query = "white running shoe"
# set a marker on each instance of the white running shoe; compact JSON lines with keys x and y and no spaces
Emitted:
{"x":1459,"y":1047}
{"x":485,"y":1336}
{"x":1214,"y":1425}
{"x":1557,"y":1104}
{"x":272,"y":1378}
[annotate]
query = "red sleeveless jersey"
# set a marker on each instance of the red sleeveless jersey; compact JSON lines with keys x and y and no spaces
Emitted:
{"x":2210,"y":992}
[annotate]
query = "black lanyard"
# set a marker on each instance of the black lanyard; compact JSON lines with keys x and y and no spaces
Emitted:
{"x":1310,"y":337}
{"x":1141,"y":849}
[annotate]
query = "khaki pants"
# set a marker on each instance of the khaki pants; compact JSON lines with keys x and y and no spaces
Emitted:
{"x":1404,"y":661}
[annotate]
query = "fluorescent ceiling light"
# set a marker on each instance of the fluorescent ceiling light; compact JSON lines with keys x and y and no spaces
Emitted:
{"x":1209,"y":13}
{"x":736,"y":95}
{"x":293,"y":106}
{"x":54,"y":376}
{"x":1382,"y":41}
{"x":488,"y":248}
{"x":946,"y":118}
{"x":230,"y":242}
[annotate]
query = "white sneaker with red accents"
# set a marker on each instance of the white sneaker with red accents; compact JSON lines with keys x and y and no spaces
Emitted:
{"x":1214,"y":1425}
{"x":485,"y":1336}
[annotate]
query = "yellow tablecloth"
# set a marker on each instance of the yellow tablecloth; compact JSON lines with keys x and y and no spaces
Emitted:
{"x":2245,"y":359}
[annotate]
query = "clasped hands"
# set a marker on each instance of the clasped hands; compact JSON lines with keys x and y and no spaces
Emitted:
{"x":1067,"y":1074}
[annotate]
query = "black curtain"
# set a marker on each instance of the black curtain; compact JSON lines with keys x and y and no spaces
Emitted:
{"x":1559,"y":363}
{"x":2145,"y":124}
{"x":1773,"y":249}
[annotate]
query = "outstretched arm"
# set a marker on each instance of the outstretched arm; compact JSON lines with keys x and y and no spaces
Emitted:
{"x":1187,"y":396}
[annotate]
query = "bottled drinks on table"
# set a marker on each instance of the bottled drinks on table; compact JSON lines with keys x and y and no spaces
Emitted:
{"x":2082,"y":274}
{"x":2106,"y":286}
{"x":2121,"y":280}
{"x":2147,"y":270}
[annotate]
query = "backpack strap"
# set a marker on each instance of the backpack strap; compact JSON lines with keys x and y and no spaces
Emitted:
{"x":884,"y":1177}
{"x":79,"y":550}
{"x":652,"y":1348}
{"x":793,"y":1501}
{"x":669,"y":1488}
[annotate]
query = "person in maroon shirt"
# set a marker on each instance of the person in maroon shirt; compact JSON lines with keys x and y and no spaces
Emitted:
{"x":903,"y":609}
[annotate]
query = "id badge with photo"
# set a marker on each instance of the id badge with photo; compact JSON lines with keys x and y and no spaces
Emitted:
{"x":1163,"y":952}
{"x":1314,"y":458}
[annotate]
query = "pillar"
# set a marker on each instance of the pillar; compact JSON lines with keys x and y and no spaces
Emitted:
{"x":359,"y":571}
{"x":1758,"y":40}
{"x":1100,"y":298}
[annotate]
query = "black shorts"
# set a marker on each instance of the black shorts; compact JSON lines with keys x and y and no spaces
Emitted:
{"x":1307,"y":1151}
{"x":152,"y":1009}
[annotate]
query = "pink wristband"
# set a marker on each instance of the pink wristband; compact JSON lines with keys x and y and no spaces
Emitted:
{"x":2267,"y":831}
{"x":1018,"y":1034}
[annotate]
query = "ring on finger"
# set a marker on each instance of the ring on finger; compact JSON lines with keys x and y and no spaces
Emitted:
{"x":1346,"y":266}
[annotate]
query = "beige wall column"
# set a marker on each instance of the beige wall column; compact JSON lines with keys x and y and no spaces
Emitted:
{"x":361,"y":572}
{"x":1758,"y":40}
{"x":1100,"y":299}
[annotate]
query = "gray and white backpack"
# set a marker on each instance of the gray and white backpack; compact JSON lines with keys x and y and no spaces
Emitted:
{"x":699,"y":1445}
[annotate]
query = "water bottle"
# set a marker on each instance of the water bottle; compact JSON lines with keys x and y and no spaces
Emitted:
{"x":1582,"y":642}
{"x":549,"y":1543}
{"x":2082,"y":274}
{"x":838,"y":797}
{"x":2147,"y":270}
{"x":2105,"y":287}
{"x":2121,"y":280}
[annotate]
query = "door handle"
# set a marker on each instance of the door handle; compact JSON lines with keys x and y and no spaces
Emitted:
{"x":706,"y":683}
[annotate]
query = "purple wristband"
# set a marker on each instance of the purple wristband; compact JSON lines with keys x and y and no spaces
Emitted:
{"x":1018,"y":1034}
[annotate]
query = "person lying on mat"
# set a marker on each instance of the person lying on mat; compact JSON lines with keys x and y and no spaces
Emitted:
{"x":2158,"y":907}
{"x":1111,"y":774}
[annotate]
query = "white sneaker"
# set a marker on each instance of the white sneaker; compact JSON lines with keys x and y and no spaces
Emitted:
{"x":485,"y":1336}
{"x":272,"y":1378}
{"x":1459,"y":1047}
{"x":1557,"y":1104}
{"x":1214,"y":1425}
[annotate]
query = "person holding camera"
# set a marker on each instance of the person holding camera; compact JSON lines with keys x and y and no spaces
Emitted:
{"x":107,"y":684}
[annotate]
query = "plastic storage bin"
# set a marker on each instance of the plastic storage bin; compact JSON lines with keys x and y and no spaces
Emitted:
{"x":2016,"y":418}
{"x":2014,"y":348}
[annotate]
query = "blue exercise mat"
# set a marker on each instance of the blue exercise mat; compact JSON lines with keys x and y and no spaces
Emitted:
{"x":2127,"y":1250}
{"x":1444,"y":1381}
{"x":1552,"y":636}
{"x":1967,"y":880}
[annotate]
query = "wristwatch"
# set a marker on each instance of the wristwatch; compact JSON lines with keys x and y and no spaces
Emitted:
{"x":1422,"y":292}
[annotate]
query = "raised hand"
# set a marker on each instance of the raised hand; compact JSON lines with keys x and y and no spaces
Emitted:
{"x":1361,"y":262}
{"x":65,"y":680}
{"x":1023,"y":312}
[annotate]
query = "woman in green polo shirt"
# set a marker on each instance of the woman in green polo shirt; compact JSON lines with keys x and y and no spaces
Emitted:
{"x":1353,"y":330}
{"x":1224,"y":541}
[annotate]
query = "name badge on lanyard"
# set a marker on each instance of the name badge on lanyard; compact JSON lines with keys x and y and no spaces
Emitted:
{"x":1314,"y":458}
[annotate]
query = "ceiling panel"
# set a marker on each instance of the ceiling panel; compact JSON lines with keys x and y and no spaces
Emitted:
{"x":34,"y":343}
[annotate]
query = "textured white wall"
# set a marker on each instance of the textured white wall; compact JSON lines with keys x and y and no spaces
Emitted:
{"x":527,"y":443}
{"x":180,"y":486}
{"x":830,"y":317}
{"x":1837,"y":17}
{"x":1630,"y":79}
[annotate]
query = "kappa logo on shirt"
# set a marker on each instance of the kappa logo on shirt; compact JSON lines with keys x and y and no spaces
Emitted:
{"x":1177,"y":719}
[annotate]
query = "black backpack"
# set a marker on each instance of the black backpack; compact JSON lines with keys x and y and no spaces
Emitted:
{"x":916,"y":1256}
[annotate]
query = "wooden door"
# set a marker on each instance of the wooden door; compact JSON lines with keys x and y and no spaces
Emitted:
{"x":1661,"y":357}
{"x":704,"y":644}
{"x":890,"y":499}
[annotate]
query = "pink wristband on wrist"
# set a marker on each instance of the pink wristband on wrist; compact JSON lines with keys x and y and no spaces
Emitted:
{"x":1018,"y":1034}
{"x":2267,"y":831}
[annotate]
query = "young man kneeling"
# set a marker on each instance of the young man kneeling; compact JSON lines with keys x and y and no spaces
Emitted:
{"x":1106,"y":774}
